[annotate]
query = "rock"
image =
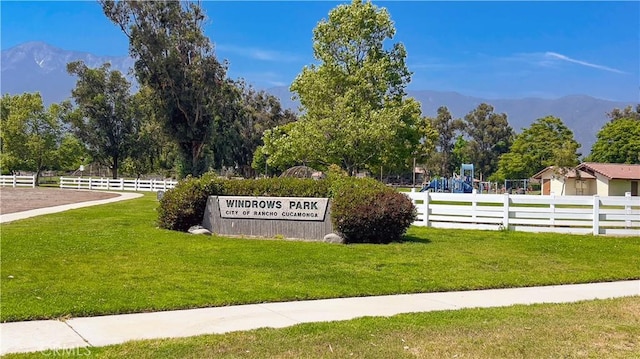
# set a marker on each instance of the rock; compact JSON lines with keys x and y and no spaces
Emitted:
{"x":333,"y":238}
{"x":199,"y":230}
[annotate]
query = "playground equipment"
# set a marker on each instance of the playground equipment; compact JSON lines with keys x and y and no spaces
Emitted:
{"x":457,"y":184}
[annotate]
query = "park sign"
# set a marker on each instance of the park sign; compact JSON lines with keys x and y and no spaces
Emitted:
{"x":288,"y":217}
{"x":279,"y":208}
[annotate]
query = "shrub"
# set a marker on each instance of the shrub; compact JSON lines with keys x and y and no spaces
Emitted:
{"x":184,"y":205}
{"x":277,"y":187}
{"x":362,"y":211}
{"x":366,"y":211}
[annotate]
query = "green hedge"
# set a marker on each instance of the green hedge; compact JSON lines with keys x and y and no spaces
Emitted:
{"x":363,"y":210}
{"x":366,"y":211}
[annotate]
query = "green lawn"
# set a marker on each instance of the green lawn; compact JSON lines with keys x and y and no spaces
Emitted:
{"x":112,"y":259}
{"x":594,"y":329}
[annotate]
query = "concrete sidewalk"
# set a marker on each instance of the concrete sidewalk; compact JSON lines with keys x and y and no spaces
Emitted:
{"x":115,"y":329}
{"x":10,"y":217}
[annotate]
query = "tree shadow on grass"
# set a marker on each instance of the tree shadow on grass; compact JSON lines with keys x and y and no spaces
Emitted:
{"x":415,"y":239}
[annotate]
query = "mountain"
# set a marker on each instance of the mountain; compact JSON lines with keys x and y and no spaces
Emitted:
{"x":584,"y":115}
{"x":37,"y":66}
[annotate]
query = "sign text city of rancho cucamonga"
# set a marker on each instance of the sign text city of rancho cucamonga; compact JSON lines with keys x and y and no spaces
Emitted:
{"x":281,"y":208}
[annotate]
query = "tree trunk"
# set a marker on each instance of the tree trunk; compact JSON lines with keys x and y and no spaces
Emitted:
{"x":38,"y":177}
{"x":114,"y":168}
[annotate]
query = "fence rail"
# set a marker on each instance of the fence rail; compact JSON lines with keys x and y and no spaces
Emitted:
{"x":119,"y":184}
{"x":17,"y":181}
{"x":615,"y":215}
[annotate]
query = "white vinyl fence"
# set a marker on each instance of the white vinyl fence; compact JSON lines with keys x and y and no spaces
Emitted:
{"x":615,"y":215}
{"x":119,"y":184}
{"x":17,"y":181}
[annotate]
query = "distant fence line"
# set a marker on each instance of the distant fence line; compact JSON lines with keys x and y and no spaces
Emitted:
{"x":612,"y":215}
{"x":17,"y":181}
{"x":119,"y":184}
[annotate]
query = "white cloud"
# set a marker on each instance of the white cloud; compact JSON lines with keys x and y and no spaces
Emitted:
{"x":557,"y":56}
{"x":257,"y":53}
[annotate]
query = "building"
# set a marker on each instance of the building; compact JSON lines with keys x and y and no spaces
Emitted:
{"x":589,"y":178}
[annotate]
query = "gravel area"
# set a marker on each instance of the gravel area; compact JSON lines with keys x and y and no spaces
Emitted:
{"x":23,"y":199}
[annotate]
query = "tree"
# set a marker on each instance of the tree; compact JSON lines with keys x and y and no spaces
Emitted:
{"x":426,"y":150}
{"x":353,"y":108}
{"x":489,"y":137}
{"x":277,"y":152}
{"x":618,"y":141}
{"x":251,"y":114}
{"x":30,"y":135}
{"x":152,"y":150}
{"x":547,"y":142}
{"x":175,"y":59}
{"x":71,"y":153}
{"x":106,"y":120}
{"x":460,"y":153}
{"x":447,"y":128}
{"x":627,"y":113}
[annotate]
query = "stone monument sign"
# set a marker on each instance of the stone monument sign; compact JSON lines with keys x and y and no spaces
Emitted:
{"x":290,"y":217}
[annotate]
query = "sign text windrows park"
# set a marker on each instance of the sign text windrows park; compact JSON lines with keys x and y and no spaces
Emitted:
{"x":290,"y":217}
{"x":282,"y":208}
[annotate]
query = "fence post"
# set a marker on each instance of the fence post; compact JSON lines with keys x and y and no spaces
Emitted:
{"x":122,"y":183}
{"x":33,"y":184}
{"x":627,"y":210}
{"x":505,"y":208}
{"x":552,"y":210}
{"x":474,"y":204}
{"x":596,"y":215}
{"x":14,"y":181}
{"x":426,"y":204}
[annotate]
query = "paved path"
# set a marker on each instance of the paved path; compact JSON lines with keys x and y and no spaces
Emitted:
{"x":114,"y":329}
{"x":10,"y":217}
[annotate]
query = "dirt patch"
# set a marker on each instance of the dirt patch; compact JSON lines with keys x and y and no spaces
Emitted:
{"x":23,"y":199}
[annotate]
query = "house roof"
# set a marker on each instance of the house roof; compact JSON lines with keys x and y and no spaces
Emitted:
{"x":612,"y":170}
{"x":568,"y":173}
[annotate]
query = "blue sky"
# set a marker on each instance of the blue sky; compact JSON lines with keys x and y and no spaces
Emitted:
{"x":488,"y":49}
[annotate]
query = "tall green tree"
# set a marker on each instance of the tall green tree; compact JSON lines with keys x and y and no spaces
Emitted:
{"x":30,"y":135}
{"x":447,"y":128}
{"x":354,"y":110}
{"x":152,"y":150}
{"x":106,"y":120}
{"x":429,"y":137}
{"x":547,"y":142}
{"x":618,"y":141}
{"x":489,"y":137}
{"x":276,"y":154}
{"x":460,"y":153}
{"x":251,"y":113}
{"x":176,"y":60}
{"x":71,"y":153}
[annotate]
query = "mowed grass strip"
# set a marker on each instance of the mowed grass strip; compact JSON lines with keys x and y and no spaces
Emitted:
{"x":112,"y":259}
{"x":593,"y":329}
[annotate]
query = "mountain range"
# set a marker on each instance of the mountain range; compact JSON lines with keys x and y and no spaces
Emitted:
{"x":37,"y":66}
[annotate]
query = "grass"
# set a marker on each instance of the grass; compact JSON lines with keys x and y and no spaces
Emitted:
{"x":593,"y":329}
{"x":112,"y":259}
